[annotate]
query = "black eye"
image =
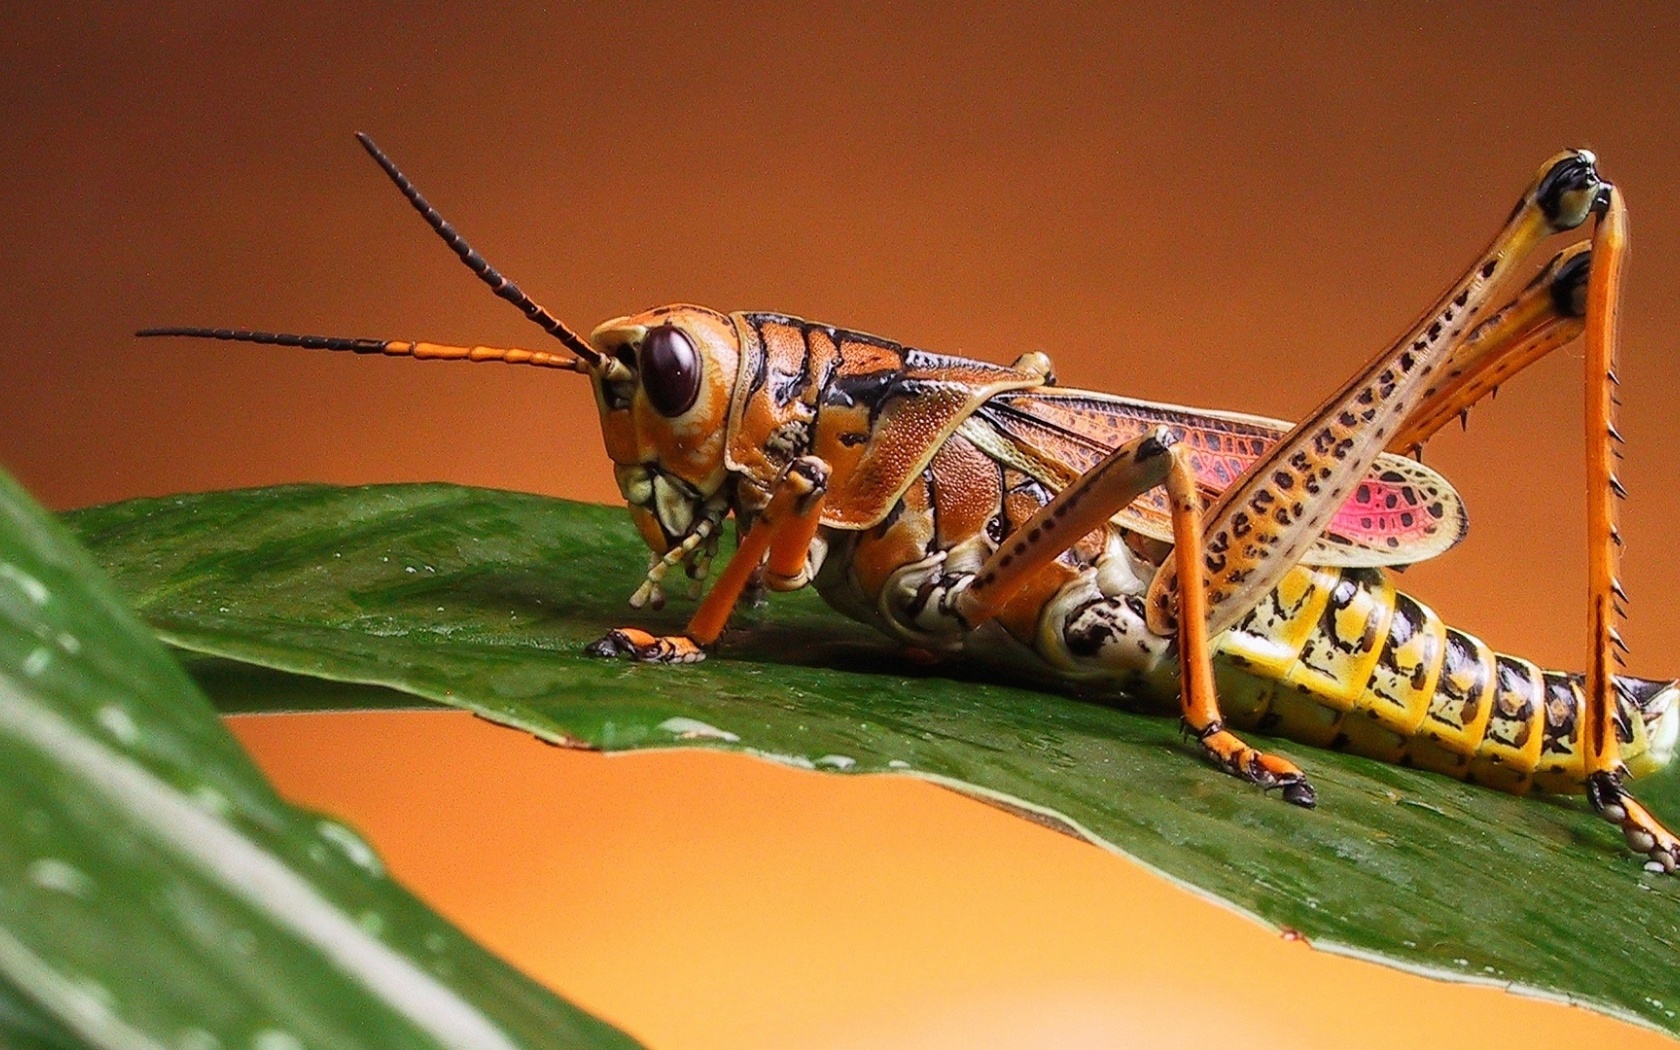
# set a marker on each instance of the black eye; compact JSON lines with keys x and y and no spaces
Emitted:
{"x":670,"y":370}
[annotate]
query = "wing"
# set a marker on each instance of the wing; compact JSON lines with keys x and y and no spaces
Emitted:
{"x":1402,"y":512}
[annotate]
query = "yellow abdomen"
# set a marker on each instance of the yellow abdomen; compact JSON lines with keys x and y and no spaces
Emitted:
{"x":1338,"y":658}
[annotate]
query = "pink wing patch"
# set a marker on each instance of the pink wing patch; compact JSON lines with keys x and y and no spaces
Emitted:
{"x":1390,"y":510}
{"x":1402,"y":512}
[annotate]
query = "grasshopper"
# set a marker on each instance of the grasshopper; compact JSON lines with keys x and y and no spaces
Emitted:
{"x":1236,"y":561}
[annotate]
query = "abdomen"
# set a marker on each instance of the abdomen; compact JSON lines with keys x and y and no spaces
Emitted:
{"x":1338,"y":658}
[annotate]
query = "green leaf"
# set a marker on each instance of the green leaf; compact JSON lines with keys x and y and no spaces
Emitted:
{"x":484,"y":600}
{"x":155,"y":891}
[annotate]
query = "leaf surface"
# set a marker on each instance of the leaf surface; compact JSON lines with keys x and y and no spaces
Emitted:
{"x":155,"y":891}
{"x":484,"y":600}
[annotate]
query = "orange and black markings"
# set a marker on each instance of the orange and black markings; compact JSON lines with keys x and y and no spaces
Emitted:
{"x":629,"y":641}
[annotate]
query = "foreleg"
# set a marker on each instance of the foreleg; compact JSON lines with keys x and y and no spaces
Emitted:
{"x":783,"y":531}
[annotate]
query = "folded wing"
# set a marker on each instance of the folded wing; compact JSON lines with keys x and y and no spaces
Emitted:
{"x":1402,"y":512}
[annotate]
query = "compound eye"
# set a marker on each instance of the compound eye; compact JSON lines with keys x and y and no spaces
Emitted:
{"x":670,"y":370}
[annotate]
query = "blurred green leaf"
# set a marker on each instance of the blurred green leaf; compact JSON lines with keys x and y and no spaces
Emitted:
{"x":25,"y":1026}
{"x":484,"y":600}
{"x":155,"y":891}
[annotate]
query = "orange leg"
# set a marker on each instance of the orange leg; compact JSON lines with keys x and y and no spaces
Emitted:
{"x":783,"y":531}
{"x":1087,"y":504}
{"x":1579,"y":291}
{"x":1197,"y":696}
{"x":1601,"y":751}
{"x":1598,"y":737}
{"x":1263,"y":524}
{"x":788,"y":566}
{"x":1582,"y":282}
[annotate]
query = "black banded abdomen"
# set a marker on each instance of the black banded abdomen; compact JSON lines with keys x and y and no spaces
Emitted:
{"x":1338,"y":658}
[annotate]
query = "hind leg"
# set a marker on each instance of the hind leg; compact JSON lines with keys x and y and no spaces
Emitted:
{"x":1600,"y":749}
{"x":1264,"y":523}
{"x":1261,"y":525}
{"x":1577,"y":293}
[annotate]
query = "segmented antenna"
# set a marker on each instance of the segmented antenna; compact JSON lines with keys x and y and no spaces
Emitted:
{"x":475,"y":262}
{"x":390,"y":347}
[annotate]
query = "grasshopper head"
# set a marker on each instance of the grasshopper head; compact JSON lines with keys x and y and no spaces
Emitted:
{"x":663,"y":381}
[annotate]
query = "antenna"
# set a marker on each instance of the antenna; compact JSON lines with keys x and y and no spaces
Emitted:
{"x":390,"y":347}
{"x":475,"y":262}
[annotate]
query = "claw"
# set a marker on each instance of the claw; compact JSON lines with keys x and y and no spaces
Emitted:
{"x":1257,"y":767}
{"x":1642,"y":831}
{"x":648,"y":648}
{"x":1300,"y":793}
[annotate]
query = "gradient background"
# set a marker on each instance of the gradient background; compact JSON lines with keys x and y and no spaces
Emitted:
{"x":1218,"y":207}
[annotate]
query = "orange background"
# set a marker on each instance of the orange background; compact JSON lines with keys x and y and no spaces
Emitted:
{"x":1219,"y":207}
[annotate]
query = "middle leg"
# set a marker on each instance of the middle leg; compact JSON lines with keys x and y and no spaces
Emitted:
{"x":1088,"y":504}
